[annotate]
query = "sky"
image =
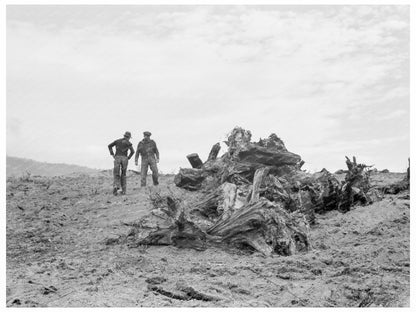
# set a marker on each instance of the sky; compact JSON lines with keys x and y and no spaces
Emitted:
{"x":331,"y":81}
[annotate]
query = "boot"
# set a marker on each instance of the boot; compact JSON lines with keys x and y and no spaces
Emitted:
{"x":123,"y":185}
{"x":115,"y":191}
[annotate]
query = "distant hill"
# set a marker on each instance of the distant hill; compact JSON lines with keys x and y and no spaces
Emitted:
{"x":20,"y":166}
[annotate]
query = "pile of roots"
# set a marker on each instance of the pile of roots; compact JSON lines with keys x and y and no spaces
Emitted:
{"x":254,"y":196}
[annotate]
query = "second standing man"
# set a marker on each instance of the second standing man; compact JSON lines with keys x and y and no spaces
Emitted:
{"x":150,"y":157}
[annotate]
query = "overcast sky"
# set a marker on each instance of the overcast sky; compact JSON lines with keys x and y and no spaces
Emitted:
{"x":330,"y":81}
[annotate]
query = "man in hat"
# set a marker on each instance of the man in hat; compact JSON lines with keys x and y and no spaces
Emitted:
{"x":120,"y":161}
{"x":150,"y":156}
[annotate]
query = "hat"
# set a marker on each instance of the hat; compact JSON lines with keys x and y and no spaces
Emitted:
{"x":127,"y":134}
{"x":147,"y":133}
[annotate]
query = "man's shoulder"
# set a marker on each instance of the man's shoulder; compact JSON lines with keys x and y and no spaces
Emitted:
{"x":147,"y":142}
{"x":152,"y":142}
{"x":123,"y":141}
{"x":116,"y":141}
{"x":127,"y":142}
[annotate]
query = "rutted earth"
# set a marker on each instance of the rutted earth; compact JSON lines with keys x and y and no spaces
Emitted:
{"x":62,"y":252}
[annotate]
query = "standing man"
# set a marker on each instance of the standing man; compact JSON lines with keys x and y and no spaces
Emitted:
{"x":150,"y":156}
{"x":120,"y":161}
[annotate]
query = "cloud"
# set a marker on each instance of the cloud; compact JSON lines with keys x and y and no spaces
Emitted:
{"x":311,"y":74}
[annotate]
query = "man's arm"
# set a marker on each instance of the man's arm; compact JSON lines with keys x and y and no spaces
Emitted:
{"x":156,"y":151}
{"x":131,"y":151}
{"x":110,"y":148}
{"x":137,"y":153}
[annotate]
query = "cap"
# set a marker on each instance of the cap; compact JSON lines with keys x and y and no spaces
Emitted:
{"x":147,"y":133}
{"x":127,"y":134}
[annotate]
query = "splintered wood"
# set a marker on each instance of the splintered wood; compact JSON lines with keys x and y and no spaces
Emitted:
{"x":255,"y":196}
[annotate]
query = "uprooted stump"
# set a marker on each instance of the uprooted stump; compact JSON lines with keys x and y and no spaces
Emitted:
{"x":397,"y":187}
{"x":400,"y":186}
{"x":355,"y":186}
{"x":254,"y":196}
{"x":261,"y":226}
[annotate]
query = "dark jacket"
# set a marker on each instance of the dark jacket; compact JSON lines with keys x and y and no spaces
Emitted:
{"x":122,"y":146}
{"x":147,"y":149}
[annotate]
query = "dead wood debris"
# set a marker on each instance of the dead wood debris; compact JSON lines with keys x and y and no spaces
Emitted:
{"x":256,"y":196}
{"x":399,"y":186}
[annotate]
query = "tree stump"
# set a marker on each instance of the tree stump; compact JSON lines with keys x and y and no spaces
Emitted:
{"x":255,"y":196}
{"x":355,"y":186}
{"x":263,"y":226}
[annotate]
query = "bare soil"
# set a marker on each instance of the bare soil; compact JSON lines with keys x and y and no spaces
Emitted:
{"x":64,"y":250}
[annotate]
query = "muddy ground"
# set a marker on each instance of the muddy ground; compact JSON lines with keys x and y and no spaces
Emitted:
{"x":60,"y":254}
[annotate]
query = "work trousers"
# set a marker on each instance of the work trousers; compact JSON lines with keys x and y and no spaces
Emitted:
{"x":119,"y":172}
{"x":146,"y":163}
